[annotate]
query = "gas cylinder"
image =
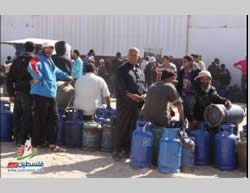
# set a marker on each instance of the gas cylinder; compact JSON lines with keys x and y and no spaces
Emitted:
{"x":157,"y":134}
{"x":187,"y":155}
{"x":106,"y":139}
{"x":202,"y":145}
{"x":60,"y":130}
{"x":169,"y":158}
{"x":91,"y":137}
{"x":217,"y":114}
{"x":242,"y":150}
{"x":225,"y":148}
{"x":73,"y":128}
{"x":6,"y":121}
{"x":141,"y":145}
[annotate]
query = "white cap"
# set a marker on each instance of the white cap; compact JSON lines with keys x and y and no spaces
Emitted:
{"x":91,"y":58}
{"x":48,"y":44}
{"x":151,"y":59}
{"x":101,"y":60}
{"x":204,"y":73}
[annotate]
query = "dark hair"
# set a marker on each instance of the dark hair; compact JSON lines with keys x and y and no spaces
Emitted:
{"x":77,"y":52}
{"x":91,"y":51}
{"x":29,"y":46}
{"x":167,"y":74}
{"x":167,"y":57}
{"x":188,"y":58}
{"x":223,"y":65}
{"x":118,"y":54}
{"x":8,"y":58}
{"x":89,"y":67}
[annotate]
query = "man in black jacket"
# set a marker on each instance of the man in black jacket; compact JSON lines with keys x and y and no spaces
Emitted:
{"x":18,"y":86}
{"x":130,"y":98}
{"x":186,"y":86}
{"x":116,"y":62}
{"x":205,"y":95}
{"x":60,"y":59}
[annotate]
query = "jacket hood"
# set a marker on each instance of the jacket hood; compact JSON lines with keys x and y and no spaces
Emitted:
{"x":60,"y":48}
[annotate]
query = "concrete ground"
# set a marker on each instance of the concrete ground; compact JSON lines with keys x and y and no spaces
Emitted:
{"x":76,"y":163}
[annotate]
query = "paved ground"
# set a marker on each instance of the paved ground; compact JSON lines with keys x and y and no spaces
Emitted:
{"x":76,"y":163}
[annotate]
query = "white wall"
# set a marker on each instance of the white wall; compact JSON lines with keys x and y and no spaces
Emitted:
{"x":212,"y":36}
{"x":223,"y":37}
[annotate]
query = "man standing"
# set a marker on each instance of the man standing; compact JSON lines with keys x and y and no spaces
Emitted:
{"x":225,"y":79}
{"x":116,"y":62}
{"x":160,"y":95}
{"x":43,"y":89}
{"x":18,"y":86}
{"x":242,"y":66}
{"x":199,"y":62}
{"x":77,"y":68}
{"x":186,"y":85}
{"x":130,"y":91}
{"x":60,"y":59}
{"x":88,"y":92}
{"x":150,"y":74}
{"x":214,"y":69}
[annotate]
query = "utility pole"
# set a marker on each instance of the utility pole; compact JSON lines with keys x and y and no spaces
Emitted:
{"x":187,"y":34}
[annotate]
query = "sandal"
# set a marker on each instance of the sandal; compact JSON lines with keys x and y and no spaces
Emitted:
{"x":56,"y":149}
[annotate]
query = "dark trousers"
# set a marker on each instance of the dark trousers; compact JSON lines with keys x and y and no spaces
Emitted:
{"x":22,"y":117}
{"x":45,"y":121}
{"x":127,"y":114}
{"x":189,"y":102}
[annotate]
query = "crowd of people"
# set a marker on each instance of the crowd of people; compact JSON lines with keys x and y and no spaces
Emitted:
{"x":145,"y":89}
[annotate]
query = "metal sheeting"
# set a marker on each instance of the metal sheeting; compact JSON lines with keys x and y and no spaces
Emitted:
{"x":109,"y":34}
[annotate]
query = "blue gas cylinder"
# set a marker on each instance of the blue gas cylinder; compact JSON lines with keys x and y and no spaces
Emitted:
{"x":187,"y":155}
{"x":6,"y":121}
{"x":73,"y":128}
{"x":141,"y":145}
{"x":60,"y":130}
{"x":225,"y":148}
{"x":202,"y":145}
{"x":169,"y":157}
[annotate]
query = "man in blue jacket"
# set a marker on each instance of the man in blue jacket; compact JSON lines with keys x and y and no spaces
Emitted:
{"x":43,"y":90}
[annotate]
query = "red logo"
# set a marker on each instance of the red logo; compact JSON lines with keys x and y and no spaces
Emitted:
{"x":12,"y":165}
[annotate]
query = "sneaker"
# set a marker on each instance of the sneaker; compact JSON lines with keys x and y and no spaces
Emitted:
{"x":116,"y":156}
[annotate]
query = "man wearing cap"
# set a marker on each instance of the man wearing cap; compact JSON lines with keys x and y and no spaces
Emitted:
{"x":18,"y":86}
{"x":130,"y":96}
{"x":206,"y":94}
{"x":43,"y":90}
{"x":160,"y":95}
{"x":150,"y":74}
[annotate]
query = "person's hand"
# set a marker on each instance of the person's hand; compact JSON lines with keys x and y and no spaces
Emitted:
{"x":33,"y":82}
{"x":69,"y":79}
{"x":228,"y":104}
{"x":12,"y":99}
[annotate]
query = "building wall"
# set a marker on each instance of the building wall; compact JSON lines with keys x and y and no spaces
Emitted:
{"x":223,"y":37}
{"x":212,"y":36}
